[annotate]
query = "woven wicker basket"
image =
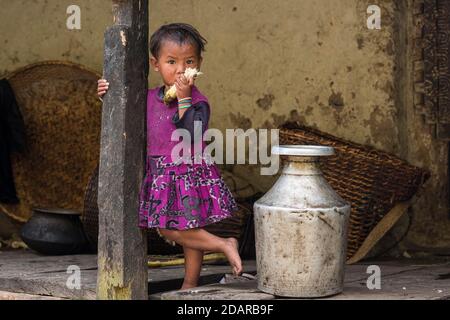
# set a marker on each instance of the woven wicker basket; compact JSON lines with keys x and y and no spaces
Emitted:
{"x":62,"y":116}
{"x":372,"y":181}
{"x":232,"y":227}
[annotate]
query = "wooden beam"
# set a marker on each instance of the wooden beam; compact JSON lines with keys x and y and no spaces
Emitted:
{"x":122,"y":245}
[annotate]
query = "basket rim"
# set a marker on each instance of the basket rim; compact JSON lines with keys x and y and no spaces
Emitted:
{"x":68,"y":63}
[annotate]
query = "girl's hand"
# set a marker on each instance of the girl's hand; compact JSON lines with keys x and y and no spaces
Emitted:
{"x":184,"y":87}
{"x":102,"y":87}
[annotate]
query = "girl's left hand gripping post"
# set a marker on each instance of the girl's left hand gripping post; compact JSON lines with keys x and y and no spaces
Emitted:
{"x":102,"y":87}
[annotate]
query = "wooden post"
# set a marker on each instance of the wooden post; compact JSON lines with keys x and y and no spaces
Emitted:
{"x":122,"y":245}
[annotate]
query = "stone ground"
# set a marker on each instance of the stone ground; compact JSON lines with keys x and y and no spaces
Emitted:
{"x":27,"y":275}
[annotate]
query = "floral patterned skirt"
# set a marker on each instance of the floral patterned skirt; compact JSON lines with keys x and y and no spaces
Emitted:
{"x":181,"y":196}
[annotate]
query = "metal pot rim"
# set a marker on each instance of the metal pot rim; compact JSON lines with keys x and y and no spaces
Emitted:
{"x":302,"y":150}
{"x":57,"y":211}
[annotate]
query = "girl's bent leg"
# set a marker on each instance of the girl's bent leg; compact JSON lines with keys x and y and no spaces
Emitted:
{"x":201,"y":239}
{"x":193,"y":259}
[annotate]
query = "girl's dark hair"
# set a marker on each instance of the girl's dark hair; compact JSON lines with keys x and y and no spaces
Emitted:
{"x":180,"y":33}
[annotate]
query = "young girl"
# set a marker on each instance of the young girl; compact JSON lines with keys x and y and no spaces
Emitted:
{"x":181,"y":197}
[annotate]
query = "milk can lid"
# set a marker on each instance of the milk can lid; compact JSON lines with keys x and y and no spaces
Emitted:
{"x":302,"y":150}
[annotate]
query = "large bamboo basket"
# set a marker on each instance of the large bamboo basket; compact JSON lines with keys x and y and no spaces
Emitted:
{"x":62,"y":116}
{"x":378,"y":185}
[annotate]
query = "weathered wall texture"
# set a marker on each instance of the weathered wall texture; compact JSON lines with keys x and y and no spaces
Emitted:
{"x":268,"y":62}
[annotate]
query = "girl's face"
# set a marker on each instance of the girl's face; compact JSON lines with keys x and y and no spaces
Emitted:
{"x":174,"y":59}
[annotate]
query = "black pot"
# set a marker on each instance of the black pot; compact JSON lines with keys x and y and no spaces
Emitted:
{"x":55,"y":232}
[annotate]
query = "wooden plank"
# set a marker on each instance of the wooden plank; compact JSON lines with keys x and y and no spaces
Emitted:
{"x":5,"y":295}
{"x":422,"y":283}
{"x":229,"y":291}
{"x":399,"y":281}
{"x":122,"y":245}
{"x":27,"y":272}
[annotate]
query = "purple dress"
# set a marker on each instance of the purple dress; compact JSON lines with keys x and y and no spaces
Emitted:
{"x":174,"y":194}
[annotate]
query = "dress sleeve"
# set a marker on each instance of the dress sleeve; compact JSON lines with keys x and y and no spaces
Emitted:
{"x":197,"y":112}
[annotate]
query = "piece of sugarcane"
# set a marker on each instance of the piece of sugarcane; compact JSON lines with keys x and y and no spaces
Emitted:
{"x":171,"y":94}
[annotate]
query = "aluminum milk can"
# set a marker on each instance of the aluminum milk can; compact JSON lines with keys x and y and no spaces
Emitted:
{"x":301,"y":228}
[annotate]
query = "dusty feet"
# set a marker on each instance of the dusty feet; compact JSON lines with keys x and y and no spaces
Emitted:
{"x":187,"y":285}
{"x":232,"y":253}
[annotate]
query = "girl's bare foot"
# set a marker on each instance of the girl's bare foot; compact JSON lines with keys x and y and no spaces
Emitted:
{"x":232,"y":253}
{"x":186,"y":286}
